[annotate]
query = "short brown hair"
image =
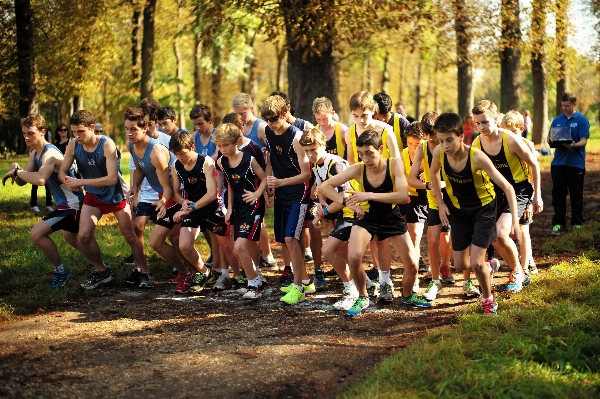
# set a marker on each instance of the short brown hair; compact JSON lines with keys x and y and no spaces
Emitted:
{"x":363,"y":100}
{"x":34,"y":120}
{"x":181,"y":141}
{"x":485,"y":107}
{"x":449,"y":122}
{"x":568,"y":96}
{"x":414,"y":130}
{"x":82,"y":117}
{"x":322,"y":105}
{"x":137,"y":115}
{"x":273,"y":106}
{"x":427,"y":122}
{"x":201,"y":110}
{"x":226,"y":133}
{"x":234,"y":118}
{"x":313,"y":137}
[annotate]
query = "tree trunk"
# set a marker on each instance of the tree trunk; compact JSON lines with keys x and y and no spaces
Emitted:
{"x":538,"y":71}
{"x":510,"y":56}
{"x":136,"y":20}
{"x":181,"y":118}
{"x":401,"y":84}
{"x":148,"y":50}
{"x":77,"y":102}
{"x":25,"y":64}
{"x":197,"y":69}
{"x":279,"y":74}
{"x":315,"y":77}
{"x":250,"y":68}
{"x":463,"y":61}
{"x":385,"y":76}
{"x":418,"y":88}
{"x":215,"y":88}
{"x":562,"y":23}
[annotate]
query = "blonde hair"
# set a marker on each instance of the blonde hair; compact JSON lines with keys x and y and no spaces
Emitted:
{"x":273,"y":106}
{"x":313,"y":137}
{"x":227,"y":133}
{"x":242,"y":100}
{"x":363,"y":100}
{"x":485,"y":107}
{"x":513,"y":120}
{"x":322,"y":105}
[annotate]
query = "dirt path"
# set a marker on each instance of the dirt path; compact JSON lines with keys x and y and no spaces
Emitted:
{"x":154,"y":344}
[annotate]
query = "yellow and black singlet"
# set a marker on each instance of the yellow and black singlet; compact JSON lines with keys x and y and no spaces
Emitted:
{"x":407,"y":166}
{"x":512,"y":168}
{"x":467,"y":188}
{"x":354,"y":137}
{"x":397,"y":130}
{"x":335,"y":145}
{"x":388,"y":185}
{"x":427,"y":158}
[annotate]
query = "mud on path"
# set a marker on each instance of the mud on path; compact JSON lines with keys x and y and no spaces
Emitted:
{"x":121,"y":342}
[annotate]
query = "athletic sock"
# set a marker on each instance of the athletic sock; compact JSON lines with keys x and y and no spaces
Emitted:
{"x":225,"y":272}
{"x":485,"y":299}
{"x":306,"y":282}
{"x":384,"y":276}
{"x":301,"y":289}
{"x":270,"y":258}
{"x":368,"y":281}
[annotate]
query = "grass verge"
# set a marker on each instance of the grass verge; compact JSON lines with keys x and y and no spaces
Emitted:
{"x":544,"y":343}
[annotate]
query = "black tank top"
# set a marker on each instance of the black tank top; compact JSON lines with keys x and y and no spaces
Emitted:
{"x":242,"y":178}
{"x":387,"y":186}
{"x":194,"y":183}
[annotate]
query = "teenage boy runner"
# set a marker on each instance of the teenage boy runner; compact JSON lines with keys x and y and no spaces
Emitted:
{"x":243,"y":106}
{"x":334,"y":132}
{"x":42,"y":169}
{"x":382,"y":185}
{"x":438,"y":237}
{"x":363,"y":107}
{"x":470,"y":203}
{"x":202,"y":118}
{"x":98,"y":164}
{"x":510,"y":156}
{"x":246,"y":205}
{"x":288,"y":174}
{"x":335,"y":248}
{"x":513,"y":121}
{"x":153,"y":161}
{"x":167,"y":120}
{"x":398,"y":122}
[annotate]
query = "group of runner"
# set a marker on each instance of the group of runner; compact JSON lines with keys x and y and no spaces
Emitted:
{"x":374,"y":181}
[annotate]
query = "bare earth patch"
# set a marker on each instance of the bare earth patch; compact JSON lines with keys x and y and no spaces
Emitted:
{"x":123,"y":342}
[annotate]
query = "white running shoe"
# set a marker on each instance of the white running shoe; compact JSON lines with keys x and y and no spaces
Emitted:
{"x":346,"y":302}
{"x":433,"y":289}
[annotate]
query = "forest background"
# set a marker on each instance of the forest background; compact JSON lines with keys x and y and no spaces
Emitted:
{"x":57,"y":56}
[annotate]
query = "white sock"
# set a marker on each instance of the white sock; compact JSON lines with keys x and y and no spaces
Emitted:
{"x":270,"y":258}
{"x":255,"y":282}
{"x":225,"y":272}
{"x":384,"y":277}
{"x":348,"y":285}
{"x":301,"y":289}
{"x":485,"y":299}
{"x":306,"y":282}
{"x":437,"y":282}
{"x":308,"y":252}
{"x":369,"y":282}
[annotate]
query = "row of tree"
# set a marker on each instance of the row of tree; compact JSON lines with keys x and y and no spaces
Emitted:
{"x":54,"y":54}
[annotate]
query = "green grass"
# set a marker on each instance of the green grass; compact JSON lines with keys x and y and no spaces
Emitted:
{"x":544,"y":343}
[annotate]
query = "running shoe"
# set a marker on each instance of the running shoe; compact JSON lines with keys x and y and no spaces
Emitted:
{"x":174,"y":274}
{"x":49,"y":208}
{"x":222,"y":283}
{"x":447,"y":276}
{"x":428,"y":274}
{"x":308,"y":288}
{"x":36,"y":209}
{"x":147,"y":281}
{"x":469,"y":289}
{"x":489,"y":306}
{"x":252,"y":292}
{"x":415,"y":288}
{"x":293,"y":296}
{"x":209,"y":261}
{"x":347,"y":300}
{"x":199,"y":281}
{"x":308,"y":258}
{"x":319,"y":279}
{"x":526,"y":281}
{"x":494,"y":266}
{"x":128,"y":260}
{"x":433,"y":289}
{"x":575,"y":226}
{"x":415,"y":301}
{"x":265,"y":262}
{"x":183,"y":283}
{"x":386,"y":293}
{"x":557,"y":230}
{"x":514,"y":284}
{"x":358,"y":306}
{"x":239,"y":281}
{"x":285,"y":275}
{"x":59,"y":278}
{"x":134,"y":278}
{"x":373,"y":274}
{"x":97,"y":278}
{"x":261,"y":277}
{"x":422,"y":265}
{"x":532,"y":267}
{"x":373,"y":290}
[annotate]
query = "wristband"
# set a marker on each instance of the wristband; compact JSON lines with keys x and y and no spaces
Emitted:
{"x":193,"y":206}
{"x":325,"y":210}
